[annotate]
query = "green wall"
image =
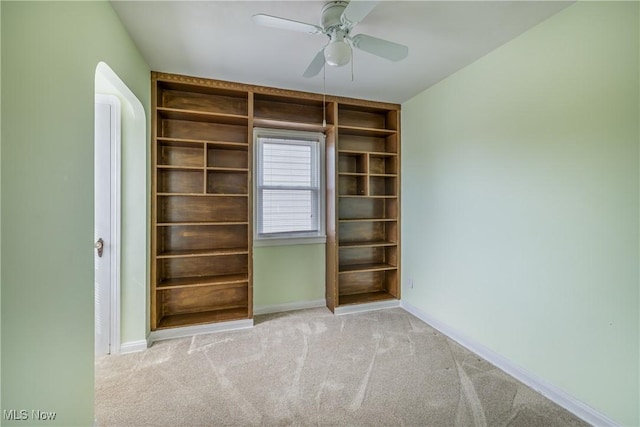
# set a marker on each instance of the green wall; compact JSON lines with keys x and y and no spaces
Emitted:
{"x":49,"y":54}
{"x":521,"y":203}
{"x":288,"y":274}
{"x":0,"y":206}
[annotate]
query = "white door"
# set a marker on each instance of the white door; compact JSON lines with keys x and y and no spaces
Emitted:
{"x":106,"y":136}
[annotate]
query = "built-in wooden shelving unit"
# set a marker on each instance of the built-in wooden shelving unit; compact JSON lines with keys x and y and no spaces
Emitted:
{"x":364,"y":246}
{"x":201,"y":234}
{"x":202,"y":195}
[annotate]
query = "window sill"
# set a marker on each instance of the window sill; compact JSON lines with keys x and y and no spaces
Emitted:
{"x":289,"y":241}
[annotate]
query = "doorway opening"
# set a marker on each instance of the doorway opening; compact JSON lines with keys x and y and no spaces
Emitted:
{"x":107,"y":223}
{"x":121,"y":196}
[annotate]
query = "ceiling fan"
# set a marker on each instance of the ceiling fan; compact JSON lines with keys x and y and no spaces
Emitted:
{"x":338,"y":19}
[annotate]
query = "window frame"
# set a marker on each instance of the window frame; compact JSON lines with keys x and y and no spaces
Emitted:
{"x":317,"y":145}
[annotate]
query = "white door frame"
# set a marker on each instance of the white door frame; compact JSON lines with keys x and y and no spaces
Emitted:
{"x":114,"y":238}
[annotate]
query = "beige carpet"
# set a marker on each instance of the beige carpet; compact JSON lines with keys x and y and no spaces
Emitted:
{"x":310,"y":367}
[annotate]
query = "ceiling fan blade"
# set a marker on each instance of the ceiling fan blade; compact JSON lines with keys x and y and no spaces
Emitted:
{"x":356,"y":11}
{"x":316,"y":65}
{"x":379,"y":47}
{"x":285,"y":24}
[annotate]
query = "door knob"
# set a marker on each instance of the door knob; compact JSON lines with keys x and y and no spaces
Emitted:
{"x":99,"y":246}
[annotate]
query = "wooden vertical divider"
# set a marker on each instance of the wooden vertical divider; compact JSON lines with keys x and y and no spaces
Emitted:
{"x":250,"y":142}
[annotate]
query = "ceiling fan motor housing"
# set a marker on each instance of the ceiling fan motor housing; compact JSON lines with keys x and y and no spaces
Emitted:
{"x":331,"y":13}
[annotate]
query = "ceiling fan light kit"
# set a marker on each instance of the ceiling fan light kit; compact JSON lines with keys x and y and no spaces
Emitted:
{"x":337,"y":53}
{"x":337,"y":20}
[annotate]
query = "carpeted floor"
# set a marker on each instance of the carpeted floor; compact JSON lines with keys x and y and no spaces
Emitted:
{"x":310,"y":367}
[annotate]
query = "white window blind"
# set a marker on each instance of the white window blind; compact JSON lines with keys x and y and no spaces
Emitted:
{"x":289,"y":199}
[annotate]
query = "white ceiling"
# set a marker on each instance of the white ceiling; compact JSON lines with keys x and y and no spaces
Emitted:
{"x":217,"y":39}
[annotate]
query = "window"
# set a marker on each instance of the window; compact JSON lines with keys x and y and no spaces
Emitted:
{"x":289,"y":190}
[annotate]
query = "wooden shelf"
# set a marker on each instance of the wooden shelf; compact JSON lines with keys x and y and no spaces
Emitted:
{"x":227,"y":145}
{"x":180,"y":168}
{"x":172,"y":82}
{"x":368,"y":282}
{"x":192,"y":95}
{"x":373,"y":117}
{"x":223,"y":169}
{"x":227,"y":182}
{"x":203,"y":317}
{"x":202,"y":252}
{"x":290,"y":112}
{"x":215,"y":208}
{"x":375,"y":145}
{"x":364,"y":196}
{"x":373,"y":244}
{"x":354,"y":268}
{"x":218,"y":156}
{"x":201,"y":281}
{"x":200,"y":116}
{"x":376,"y":153}
{"x":368,"y":220}
{"x":203,"y":194}
{"x":220,"y":223}
{"x":239,"y":145}
{"x":363,"y":131}
{"x":289,"y":125}
{"x":365,"y":297}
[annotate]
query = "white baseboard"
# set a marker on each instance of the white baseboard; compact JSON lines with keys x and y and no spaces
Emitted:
{"x":133,"y":346}
{"x":298,"y":305}
{"x":187,"y":331}
{"x":370,"y":306}
{"x":550,"y":391}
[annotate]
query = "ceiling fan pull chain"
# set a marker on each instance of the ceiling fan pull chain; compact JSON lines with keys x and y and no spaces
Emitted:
{"x":324,"y":97}
{"x":352,"y":61}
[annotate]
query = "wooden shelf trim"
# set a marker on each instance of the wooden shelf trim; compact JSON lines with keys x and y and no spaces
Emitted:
{"x":373,"y":153}
{"x":212,"y":223}
{"x":227,"y":280}
{"x":363,"y":174}
{"x":372,"y":244}
{"x":384,"y":175}
{"x":289,"y":124}
{"x":364,"y":196}
{"x":360,"y":131}
{"x":181,"y":168}
{"x":204,"y":194}
{"x":223,"y":169}
{"x":188,"y":253}
{"x":368,"y":220}
{"x":357,"y":268}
